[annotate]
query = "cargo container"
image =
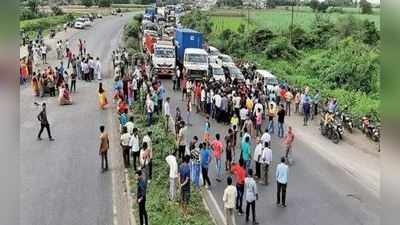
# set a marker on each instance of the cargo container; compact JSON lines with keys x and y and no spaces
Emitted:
{"x":186,"y":38}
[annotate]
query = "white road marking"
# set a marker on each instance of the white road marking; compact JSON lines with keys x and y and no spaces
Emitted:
{"x":220,"y":213}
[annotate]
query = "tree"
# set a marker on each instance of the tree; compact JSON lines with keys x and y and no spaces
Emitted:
{"x":104,"y":3}
{"x":366,"y":7}
{"x":370,"y":34}
{"x":33,"y":5}
{"x":87,"y":3}
{"x":322,"y":7}
{"x":56,"y":10}
{"x":314,"y":5}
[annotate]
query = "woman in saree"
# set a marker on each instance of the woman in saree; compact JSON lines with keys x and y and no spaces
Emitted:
{"x":35,"y":84}
{"x":64,"y":97}
{"x":102,"y":97}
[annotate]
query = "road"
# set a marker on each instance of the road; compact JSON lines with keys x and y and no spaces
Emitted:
{"x":61,"y":181}
{"x":319,"y":191}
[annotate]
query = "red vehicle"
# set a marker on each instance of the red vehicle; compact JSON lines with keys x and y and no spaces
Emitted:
{"x":150,"y":40}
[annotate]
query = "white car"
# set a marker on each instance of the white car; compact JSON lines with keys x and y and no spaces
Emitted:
{"x":225,"y":61}
{"x":79,"y":24}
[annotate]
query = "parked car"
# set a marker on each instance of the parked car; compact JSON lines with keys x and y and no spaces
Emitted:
{"x":79,"y":24}
{"x":215,"y":71}
{"x":225,"y":60}
{"x":233,"y":72}
{"x":99,"y":16}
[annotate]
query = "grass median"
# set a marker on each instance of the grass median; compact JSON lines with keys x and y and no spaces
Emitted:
{"x":160,"y":210}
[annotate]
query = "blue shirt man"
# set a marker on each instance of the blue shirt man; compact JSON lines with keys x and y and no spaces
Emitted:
{"x":205,"y":157}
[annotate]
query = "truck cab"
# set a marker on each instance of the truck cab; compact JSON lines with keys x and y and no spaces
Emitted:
{"x":195,"y":64}
{"x":164,"y":58}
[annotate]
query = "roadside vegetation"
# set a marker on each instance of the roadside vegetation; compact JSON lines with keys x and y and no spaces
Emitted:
{"x":159,"y":208}
{"x":338,"y":57}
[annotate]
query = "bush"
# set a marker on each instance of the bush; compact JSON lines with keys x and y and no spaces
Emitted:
{"x":366,"y":7}
{"x":87,"y":3}
{"x":43,"y":23}
{"x":104,"y":3}
{"x":27,"y":14}
{"x":335,"y":10}
{"x":281,"y":48}
{"x":57,"y":11}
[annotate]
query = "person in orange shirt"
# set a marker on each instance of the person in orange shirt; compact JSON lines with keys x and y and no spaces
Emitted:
{"x":240,"y":174}
{"x":217,"y":147}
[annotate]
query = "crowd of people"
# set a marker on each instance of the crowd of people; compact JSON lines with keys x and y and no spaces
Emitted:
{"x":249,"y":113}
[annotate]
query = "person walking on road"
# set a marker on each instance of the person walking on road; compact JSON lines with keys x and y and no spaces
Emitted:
{"x":184,"y":181}
{"x":173,"y":175}
{"x":266,"y":137}
{"x":182,"y":140}
{"x":251,"y":193}
{"x":229,"y":198}
{"x":288,"y":141}
{"x":44,"y":123}
{"x":205,"y":159}
{"x":240,"y":173}
{"x":135,"y":147}
{"x":281,"y":121}
{"x":97,"y":69}
{"x":246,"y":152}
{"x":104,"y":146}
{"x":141,"y":197}
{"x":125,"y":138}
{"x":167,"y":113}
{"x":217,"y":148}
{"x":195,"y":157}
{"x":257,"y":158}
{"x":281,"y":179}
{"x":147,"y":139}
{"x":266,"y":159}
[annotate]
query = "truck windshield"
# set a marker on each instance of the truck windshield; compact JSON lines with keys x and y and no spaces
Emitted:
{"x":164,"y":52}
{"x":197,"y":58}
{"x":226,"y":59}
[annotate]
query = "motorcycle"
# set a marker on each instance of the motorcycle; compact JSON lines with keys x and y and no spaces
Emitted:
{"x":333,"y":130}
{"x":52,"y":33}
{"x":370,"y":130}
{"x":347,"y":121}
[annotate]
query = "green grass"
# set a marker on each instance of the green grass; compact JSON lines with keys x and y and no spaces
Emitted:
{"x":278,"y":19}
{"x":160,"y":210}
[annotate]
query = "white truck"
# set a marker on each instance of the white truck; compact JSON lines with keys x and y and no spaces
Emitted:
{"x":164,"y":58}
{"x":195,"y":64}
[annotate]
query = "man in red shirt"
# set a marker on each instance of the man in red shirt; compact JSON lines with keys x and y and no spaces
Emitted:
{"x":240,"y":174}
{"x":217,"y":148}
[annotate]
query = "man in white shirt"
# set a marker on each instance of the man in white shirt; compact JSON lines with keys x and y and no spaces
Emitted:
{"x":130,"y":125}
{"x":134,"y":144}
{"x":244,"y":112}
{"x":266,"y":159}
{"x":251,"y":195}
{"x":147,"y":139}
{"x":43,"y":49}
{"x":173,"y":175}
{"x":167,"y":113}
{"x":282,"y":171}
{"x":125,"y":138}
{"x":266,"y":137}
{"x":92,"y":66}
{"x":218,"y":103}
{"x":97,"y":69}
{"x":236,"y":103}
{"x":257,"y":158}
{"x":229,"y":198}
{"x":257,"y":106}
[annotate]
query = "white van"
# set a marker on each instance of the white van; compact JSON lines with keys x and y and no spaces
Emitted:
{"x":269,"y":80}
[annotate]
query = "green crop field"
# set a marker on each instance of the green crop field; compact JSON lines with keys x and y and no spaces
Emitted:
{"x":278,"y":19}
